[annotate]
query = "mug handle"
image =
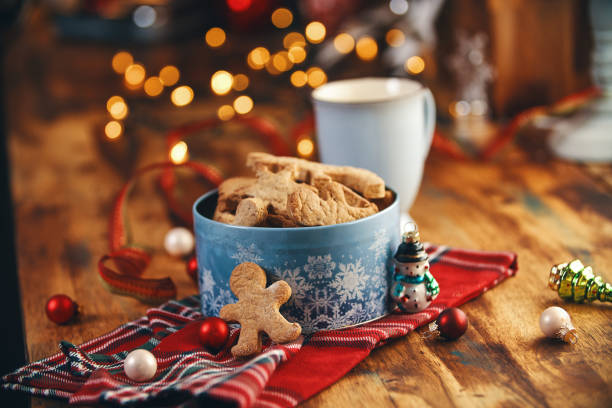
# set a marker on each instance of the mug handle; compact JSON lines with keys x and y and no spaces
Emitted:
{"x":430,"y":119}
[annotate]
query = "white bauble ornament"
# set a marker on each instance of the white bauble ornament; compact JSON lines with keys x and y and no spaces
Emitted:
{"x":140,"y":365}
{"x":179,"y":241}
{"x":555,"y":323}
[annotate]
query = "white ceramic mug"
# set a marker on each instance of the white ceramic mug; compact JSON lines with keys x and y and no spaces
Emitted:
{"x":382,"y":124}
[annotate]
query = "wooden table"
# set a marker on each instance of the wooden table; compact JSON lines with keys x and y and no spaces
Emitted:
{"x":64,"y":179}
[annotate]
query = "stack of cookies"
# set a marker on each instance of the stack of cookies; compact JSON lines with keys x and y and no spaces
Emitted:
{"x":291,"y":192}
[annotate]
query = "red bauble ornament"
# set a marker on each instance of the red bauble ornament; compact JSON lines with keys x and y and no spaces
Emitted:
{"x":192,"y":268}
{"x":60,"y":309}
{"x":213,"y":332}
{"x":452,"y":323}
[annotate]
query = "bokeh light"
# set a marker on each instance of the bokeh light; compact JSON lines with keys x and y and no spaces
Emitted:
{"x":182,"y":95}
{"x":153,"y":86}
{"x":215,"y":37}
{"x":179,"y":153}
{"x":221,"y":82}
{"x":299,"y":79}
{"x":344,"y":43}
{"x":398,"y":7}
{"x":112,"y":101}
{"x":169,"y":75}
{"x":281,"y":61}
{"x":315,"y":32}
{"x":297,"y":54}
{"x":395,"y":37}
{"x":316,"y":77}
{"x":225,"y":112}
{"x":415,"y":65}
{"x":258,"y":58}
{"x":113,"y":129}
{"x":243,"y":104}
{"x":241,"y":82}
{"x":135,"y":74}
{"x":459,"y":108}
{"x":366,"y":48}
{"x":294,"y":39}
{"x":239,"y":5}
{"x":282,"y":18}
{"x":119,"y":111}
{"x":144,"y":16}
{"x":272,"y":69}
{"x":121,"y":61}
{"x":117,"y":107}
{"x":305,"y":147}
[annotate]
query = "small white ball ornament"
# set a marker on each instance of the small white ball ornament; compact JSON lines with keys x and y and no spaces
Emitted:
{"x":179,"y":241}
{"x":555,"y":323}
{"x":140,"y":365}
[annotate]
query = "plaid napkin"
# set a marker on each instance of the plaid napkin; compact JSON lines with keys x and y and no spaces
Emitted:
{"x":92,"y":373}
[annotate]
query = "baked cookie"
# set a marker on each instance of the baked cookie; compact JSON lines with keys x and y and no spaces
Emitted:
{"x":333,"y":203}
{"x":257,"y":309}
{"x":369,"y":184}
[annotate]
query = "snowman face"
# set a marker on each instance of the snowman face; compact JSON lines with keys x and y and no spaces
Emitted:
{"x":411,"y":268}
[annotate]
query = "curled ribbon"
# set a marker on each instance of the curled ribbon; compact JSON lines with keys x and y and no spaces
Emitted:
{"x":130,"y":262}
{"x":263,"y":128}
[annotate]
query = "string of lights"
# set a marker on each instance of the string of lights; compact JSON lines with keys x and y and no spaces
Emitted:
{"x":296,"y":46}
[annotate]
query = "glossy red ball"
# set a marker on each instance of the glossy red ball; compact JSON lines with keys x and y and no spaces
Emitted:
{"x":452,"y":323}
{"x":192,"y":268}
{"x":60,"y":309}
{"x":213,"y":332}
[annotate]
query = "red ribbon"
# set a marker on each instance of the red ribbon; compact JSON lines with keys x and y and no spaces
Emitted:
{"x":566,"y":104}
{"x":130,"y":263}
{"x":507,"y":133}
{"x":265,"y":129}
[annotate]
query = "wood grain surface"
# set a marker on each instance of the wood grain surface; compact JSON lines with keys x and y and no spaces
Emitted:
{"x":65,"y":177}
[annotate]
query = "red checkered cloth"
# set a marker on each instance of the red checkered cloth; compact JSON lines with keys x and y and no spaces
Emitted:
{"x":92,"y":373}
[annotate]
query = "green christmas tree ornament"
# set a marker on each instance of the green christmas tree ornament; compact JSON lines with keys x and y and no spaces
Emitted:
{"x":576,"y":283}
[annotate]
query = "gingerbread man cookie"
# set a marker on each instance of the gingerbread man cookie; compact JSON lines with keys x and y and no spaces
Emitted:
{"x":257,"y":309}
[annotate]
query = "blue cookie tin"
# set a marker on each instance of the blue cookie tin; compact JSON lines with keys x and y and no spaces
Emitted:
{"x":339,"y":274}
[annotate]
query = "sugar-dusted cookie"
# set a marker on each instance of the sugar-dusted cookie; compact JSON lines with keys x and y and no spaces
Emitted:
{"x":334,"y":204}
{"x":369,"y":184}
{"x":257,"y":309}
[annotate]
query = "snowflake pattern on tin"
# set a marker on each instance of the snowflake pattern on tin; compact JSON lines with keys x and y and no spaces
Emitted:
{"x":207,"y":282}
{"x":299,"y":286}
{"x":344,"y":294}
{"x":356,"y":314}
{"x":350,"y":282}
{"x":247,"y":254}
{"x":320,"y":267}
{"x":380,"y":246}
{"x":211,"y":294}
{"x":328,"y":290}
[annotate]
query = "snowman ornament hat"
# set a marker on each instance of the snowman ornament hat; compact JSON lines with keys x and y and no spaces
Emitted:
{"x":414,"y":287}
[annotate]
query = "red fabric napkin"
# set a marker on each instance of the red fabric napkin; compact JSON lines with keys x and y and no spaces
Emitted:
{"x":281,"y":376}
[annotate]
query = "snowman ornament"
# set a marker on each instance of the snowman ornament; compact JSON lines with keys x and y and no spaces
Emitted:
{"x":414,"y":287}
